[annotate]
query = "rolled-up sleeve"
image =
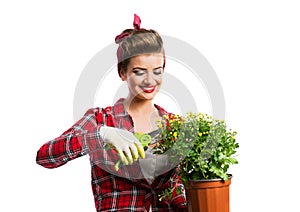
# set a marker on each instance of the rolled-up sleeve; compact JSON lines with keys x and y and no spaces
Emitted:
{"x":71,"y":144}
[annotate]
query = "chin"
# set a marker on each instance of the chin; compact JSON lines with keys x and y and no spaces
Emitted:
{"x":145,"y":96}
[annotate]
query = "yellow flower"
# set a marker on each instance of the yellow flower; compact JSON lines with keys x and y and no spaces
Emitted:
{"x":175,"y":134}
{"x":200,"y":134}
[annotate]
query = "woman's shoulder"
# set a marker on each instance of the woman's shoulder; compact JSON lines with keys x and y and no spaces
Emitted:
{"x":118,"y":107}
{"x":96,"y":111}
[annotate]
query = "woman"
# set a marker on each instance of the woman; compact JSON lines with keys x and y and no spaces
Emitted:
{"x":106,"y":134}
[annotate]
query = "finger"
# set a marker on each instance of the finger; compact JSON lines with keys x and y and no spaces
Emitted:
{"x":128,"y":156}
{"x":122,"y":157}
{"x":140,"y":149}
{"x":117,"y":165}
{"x":134,"y":152}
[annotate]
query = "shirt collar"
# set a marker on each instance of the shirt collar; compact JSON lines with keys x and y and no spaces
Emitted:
{"x":119,"y":108}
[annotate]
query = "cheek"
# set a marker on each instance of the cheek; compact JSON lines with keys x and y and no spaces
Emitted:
{"x":159,"y":80}
{"x":134,"y":81}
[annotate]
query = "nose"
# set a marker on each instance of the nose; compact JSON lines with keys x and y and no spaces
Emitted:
{"x":149,"y":79}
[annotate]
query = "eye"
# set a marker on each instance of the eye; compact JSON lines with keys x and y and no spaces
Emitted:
{"x":157,"y":71}
{"x":138,"y":72}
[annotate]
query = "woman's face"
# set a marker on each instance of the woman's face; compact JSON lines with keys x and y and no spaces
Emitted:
{"x":144,"y":75}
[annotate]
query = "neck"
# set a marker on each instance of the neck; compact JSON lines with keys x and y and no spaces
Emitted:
{"x":138,"y":106}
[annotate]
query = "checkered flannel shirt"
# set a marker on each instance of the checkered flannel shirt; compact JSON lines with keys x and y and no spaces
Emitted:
{"x":122,"y":190}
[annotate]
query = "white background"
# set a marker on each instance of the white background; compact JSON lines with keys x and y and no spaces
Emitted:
{"x":253,"y":46}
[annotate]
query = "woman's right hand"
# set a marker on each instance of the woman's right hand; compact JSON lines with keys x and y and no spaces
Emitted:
{"x":126,"y":144}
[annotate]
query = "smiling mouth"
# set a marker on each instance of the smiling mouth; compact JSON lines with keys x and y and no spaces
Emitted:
{"x":148,"y":89}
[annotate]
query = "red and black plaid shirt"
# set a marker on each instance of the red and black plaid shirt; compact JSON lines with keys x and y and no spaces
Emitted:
{"x":122,"y":190}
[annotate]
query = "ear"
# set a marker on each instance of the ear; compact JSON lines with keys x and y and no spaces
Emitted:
{"x":123,"y":75}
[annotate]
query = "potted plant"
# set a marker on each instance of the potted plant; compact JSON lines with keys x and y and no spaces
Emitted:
{"x":204,"y":149}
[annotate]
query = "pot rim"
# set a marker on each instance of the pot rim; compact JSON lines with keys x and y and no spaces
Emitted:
{"x":211,"y":180}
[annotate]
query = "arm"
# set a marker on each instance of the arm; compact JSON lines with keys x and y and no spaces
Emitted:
{"x":71,"y":144}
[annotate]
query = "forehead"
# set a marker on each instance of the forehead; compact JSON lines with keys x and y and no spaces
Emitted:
{"x":147,"y":60}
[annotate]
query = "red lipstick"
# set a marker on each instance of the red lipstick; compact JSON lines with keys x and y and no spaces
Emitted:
{"x":148,"y":89}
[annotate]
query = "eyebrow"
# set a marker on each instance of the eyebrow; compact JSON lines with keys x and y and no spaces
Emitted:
{"x":144,"y":69}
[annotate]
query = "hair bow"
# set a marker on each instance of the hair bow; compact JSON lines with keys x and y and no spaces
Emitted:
{"x":136,"y":22}
{"x":136,"y":26}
